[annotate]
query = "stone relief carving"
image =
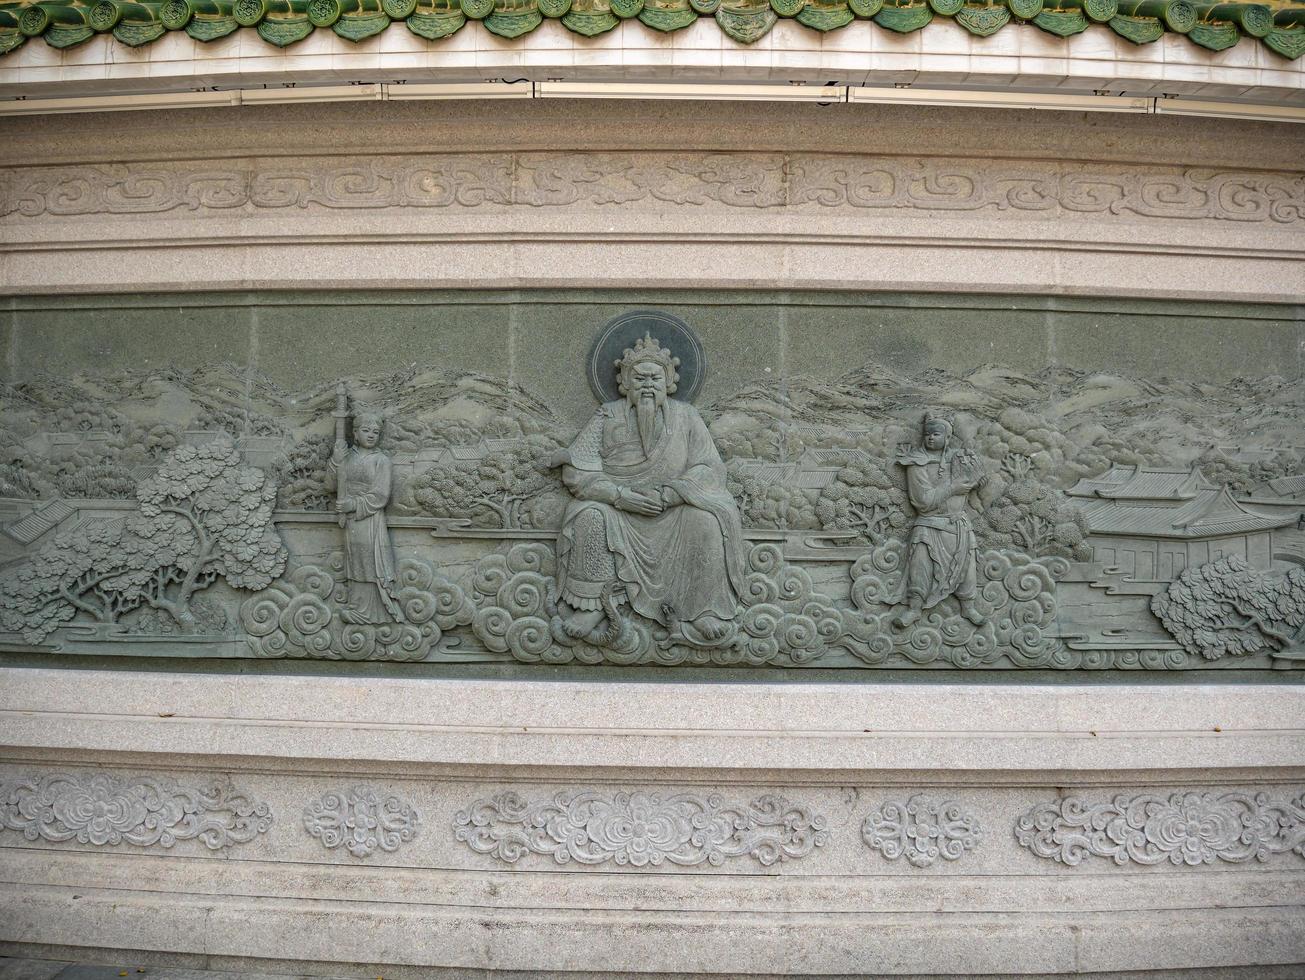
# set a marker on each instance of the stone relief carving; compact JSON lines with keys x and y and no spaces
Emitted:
{"x":1225,"y":608}
{"x":739,"y":180}
{"x":361,"y":820}
{"x":102,"y":809}
{"x":922,"y":830}
{"x":301,"y":616}
{"x":1067,"y":520}
{"x":651,"y":524}
{"x":202,"y":516}
{"x":363,"y":483}
{"x":639,"y":829}
{"x":941,"y":551}
{"x":1182,"y":828}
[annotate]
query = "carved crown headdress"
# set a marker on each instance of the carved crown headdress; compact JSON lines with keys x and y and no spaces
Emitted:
{"x":648,"y":349}
{"x":938,"y":421}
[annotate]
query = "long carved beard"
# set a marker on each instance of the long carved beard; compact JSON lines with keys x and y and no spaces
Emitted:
{"x":646,"y":416}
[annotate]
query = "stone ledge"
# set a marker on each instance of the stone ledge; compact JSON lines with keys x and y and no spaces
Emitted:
{"x":628,"y":943}
{"x":945,"y":727}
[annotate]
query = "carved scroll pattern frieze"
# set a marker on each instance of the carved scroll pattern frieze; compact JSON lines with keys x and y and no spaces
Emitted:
{"x":922,"y":830}
{"x":732,"y":180}
{"x":639,"y":829}
{"x":361,"y":820}
{"x":1183,"y":828}
{"x":102,"y":809}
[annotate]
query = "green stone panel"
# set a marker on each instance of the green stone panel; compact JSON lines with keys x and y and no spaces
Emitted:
{"x":309,"y":340}
{"x":114,"y":334}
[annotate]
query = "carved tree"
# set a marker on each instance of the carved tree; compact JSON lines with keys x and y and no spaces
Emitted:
{"x":862,"y":498}
{"x":212,"y":516}
{"x":306,"y":480}
{"x":1031,"y":515}
{"x":495,"y":492}
{"x":1227,"y":608}
{"x":203,"y":516}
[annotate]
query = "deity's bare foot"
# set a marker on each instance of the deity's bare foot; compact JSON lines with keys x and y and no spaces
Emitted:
{"x":711,"y":628}
{"x":580,"y":623}
{"x":907,"y":617}
{"x":971,"y":612}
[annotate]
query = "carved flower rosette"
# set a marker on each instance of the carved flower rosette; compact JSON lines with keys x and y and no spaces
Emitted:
{"x":922,"y":830}
{"x":361,"y":821}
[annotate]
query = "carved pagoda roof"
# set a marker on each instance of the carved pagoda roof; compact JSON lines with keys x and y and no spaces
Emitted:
{"x":1278,"y":24}
{"x":1290,"y":487}
{"x":1144,"y":483}
{"x":1207,"y":511}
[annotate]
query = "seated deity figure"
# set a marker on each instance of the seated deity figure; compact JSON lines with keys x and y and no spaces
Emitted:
{"x":363,"y":480}
{"x":941,"y":552}
{"x":650,"y":522}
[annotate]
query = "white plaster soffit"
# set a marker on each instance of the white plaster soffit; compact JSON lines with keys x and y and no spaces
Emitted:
{"x":1020,"y":67}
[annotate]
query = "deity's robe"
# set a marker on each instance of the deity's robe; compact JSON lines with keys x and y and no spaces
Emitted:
{"x":942,"y":552}
{"x":672,"y":567}
{"x":364,"y":477}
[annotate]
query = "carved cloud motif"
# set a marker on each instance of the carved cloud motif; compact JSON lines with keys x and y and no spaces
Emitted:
{"x":102,"y":809}
{"x":639,"y":829}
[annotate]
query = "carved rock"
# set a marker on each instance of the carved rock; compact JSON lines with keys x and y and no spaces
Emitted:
{"x":922,"y":829}
{"x":100,"y":808}
{"x":361,"y":820}
{"x":1182,"y":828}
{"x":639,"y":829}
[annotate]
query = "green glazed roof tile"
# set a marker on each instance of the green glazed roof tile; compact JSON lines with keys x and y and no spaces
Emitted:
{"x":1210,"y":24}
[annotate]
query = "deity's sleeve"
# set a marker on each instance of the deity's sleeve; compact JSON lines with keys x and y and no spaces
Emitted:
{"x":582,"y":463}
{"x":704,"y":471}
{"x":374,"y":499}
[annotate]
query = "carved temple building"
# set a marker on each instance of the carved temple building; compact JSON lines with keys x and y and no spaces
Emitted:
{"x":653,"y":488}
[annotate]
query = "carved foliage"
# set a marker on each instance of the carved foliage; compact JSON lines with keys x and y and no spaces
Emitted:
{"x":921,"y":829}
{"x":99,"y":808}
{"x":203,"y":516}
{"x":1184,"y":828}
{"x":1226,"y":608}
{"x":640,"y":829}
{"x":739,"y":180}
{"x":299,"y":616}
{"x":361,"y":820}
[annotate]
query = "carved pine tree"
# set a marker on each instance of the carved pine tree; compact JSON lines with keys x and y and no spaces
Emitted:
{"x":203,"y":516}
{"x":1227,"y":608}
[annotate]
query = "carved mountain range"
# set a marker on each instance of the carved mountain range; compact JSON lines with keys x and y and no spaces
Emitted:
{"x":1163,"y":421}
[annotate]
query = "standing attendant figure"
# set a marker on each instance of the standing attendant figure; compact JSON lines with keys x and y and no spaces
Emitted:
{"x":363,"y":483}
{"x":942,"y":553}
